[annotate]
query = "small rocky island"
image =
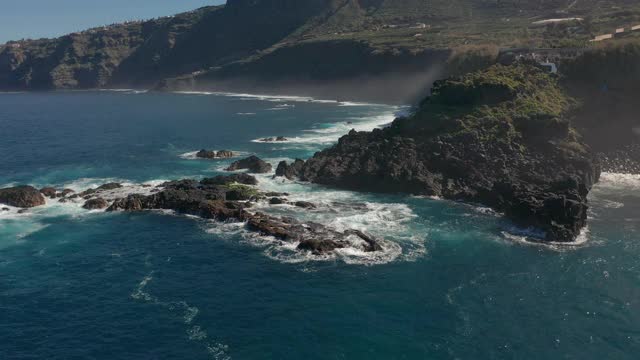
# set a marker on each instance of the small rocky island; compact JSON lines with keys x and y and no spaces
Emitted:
{"x":212,"y":154}
{"x":501,"y":137}
{"x":274,"y":139}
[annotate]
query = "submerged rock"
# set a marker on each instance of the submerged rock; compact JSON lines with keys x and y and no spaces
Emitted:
{"x":253,"y":163}
{"x":21,"y":196}
{"x":498,"y":137}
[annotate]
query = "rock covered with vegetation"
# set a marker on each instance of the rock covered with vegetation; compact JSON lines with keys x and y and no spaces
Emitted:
{"x":498,"y":137}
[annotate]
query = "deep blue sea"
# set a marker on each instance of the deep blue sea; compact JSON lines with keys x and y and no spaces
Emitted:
{"x":452,"y":283}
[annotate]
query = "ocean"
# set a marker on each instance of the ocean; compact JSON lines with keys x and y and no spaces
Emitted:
{"x":453,"y":281}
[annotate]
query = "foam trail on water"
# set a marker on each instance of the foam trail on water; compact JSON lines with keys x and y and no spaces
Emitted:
{"x":188,"y":313}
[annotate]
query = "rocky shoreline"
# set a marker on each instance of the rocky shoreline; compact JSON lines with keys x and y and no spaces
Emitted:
{"x":228,"y":198}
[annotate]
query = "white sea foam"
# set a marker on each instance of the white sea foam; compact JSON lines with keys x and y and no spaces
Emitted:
{"x":276,"y":98}
{"x":617,"y":181}
{"x":391,"y":223}
{"x":532,"y":237}
{"x":332,"y":132}
{"x":194,"y":332}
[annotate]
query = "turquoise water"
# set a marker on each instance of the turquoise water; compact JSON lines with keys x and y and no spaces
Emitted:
{"x":451,"y":283}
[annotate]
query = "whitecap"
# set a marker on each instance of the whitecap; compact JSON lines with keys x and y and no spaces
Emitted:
{"x":533,"y":237}
{"x":618,"y":181}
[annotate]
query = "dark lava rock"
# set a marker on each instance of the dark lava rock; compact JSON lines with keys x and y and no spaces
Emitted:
{"x":275,"y":194}
{"x":67,"y":192}
{"x":207,"y":154}
{"x":319,"y":246}
{"x":48,"y":192}
{"x":21,"y":196}
{"x":245,"y":179}
{"x":476,"y":139}
{"x":210,"y":154}
{"x":225,"y":154}
{"x":272,"y":139}
{"x":238,"y":195}
{"x":277,"y":201}
{"x":290,"y":171}
{"x":106,"y":187}
{"x":109,"y":186}
{"x":372,"y":244}
{"x":95,"y":204}
{"x":253,"y":163}
{"x":304,"y":205}
{"x":212,"y":201}
{"x":5,"y":209}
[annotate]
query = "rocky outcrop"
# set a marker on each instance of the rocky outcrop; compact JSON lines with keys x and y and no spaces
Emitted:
{"x":244,"y":179}
{"x":498,"y":137}
{"x":210,"y":154}
{"x":21,"y":196}
{"x":105,"y":187}
{"x":253,"y":163}
{"x":218,"y":198}
{"x":290,"y":171}
{"x":95,"y":204}
{"x":274,"y":139}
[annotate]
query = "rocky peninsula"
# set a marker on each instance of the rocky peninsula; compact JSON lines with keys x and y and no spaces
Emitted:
{"x":501,"y":137}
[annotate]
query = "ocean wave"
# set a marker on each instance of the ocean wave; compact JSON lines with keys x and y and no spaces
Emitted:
{"x":277,"y":98}
{"x":330,"y":133}
{"x":618,"y":181}
{"x":532,"y":237}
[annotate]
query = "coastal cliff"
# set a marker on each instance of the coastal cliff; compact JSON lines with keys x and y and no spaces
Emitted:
{"x":315,"y":47}
{"x":499,"y":137}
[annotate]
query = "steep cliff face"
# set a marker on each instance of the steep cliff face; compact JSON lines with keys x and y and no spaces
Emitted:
{"x":500,"y":137}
